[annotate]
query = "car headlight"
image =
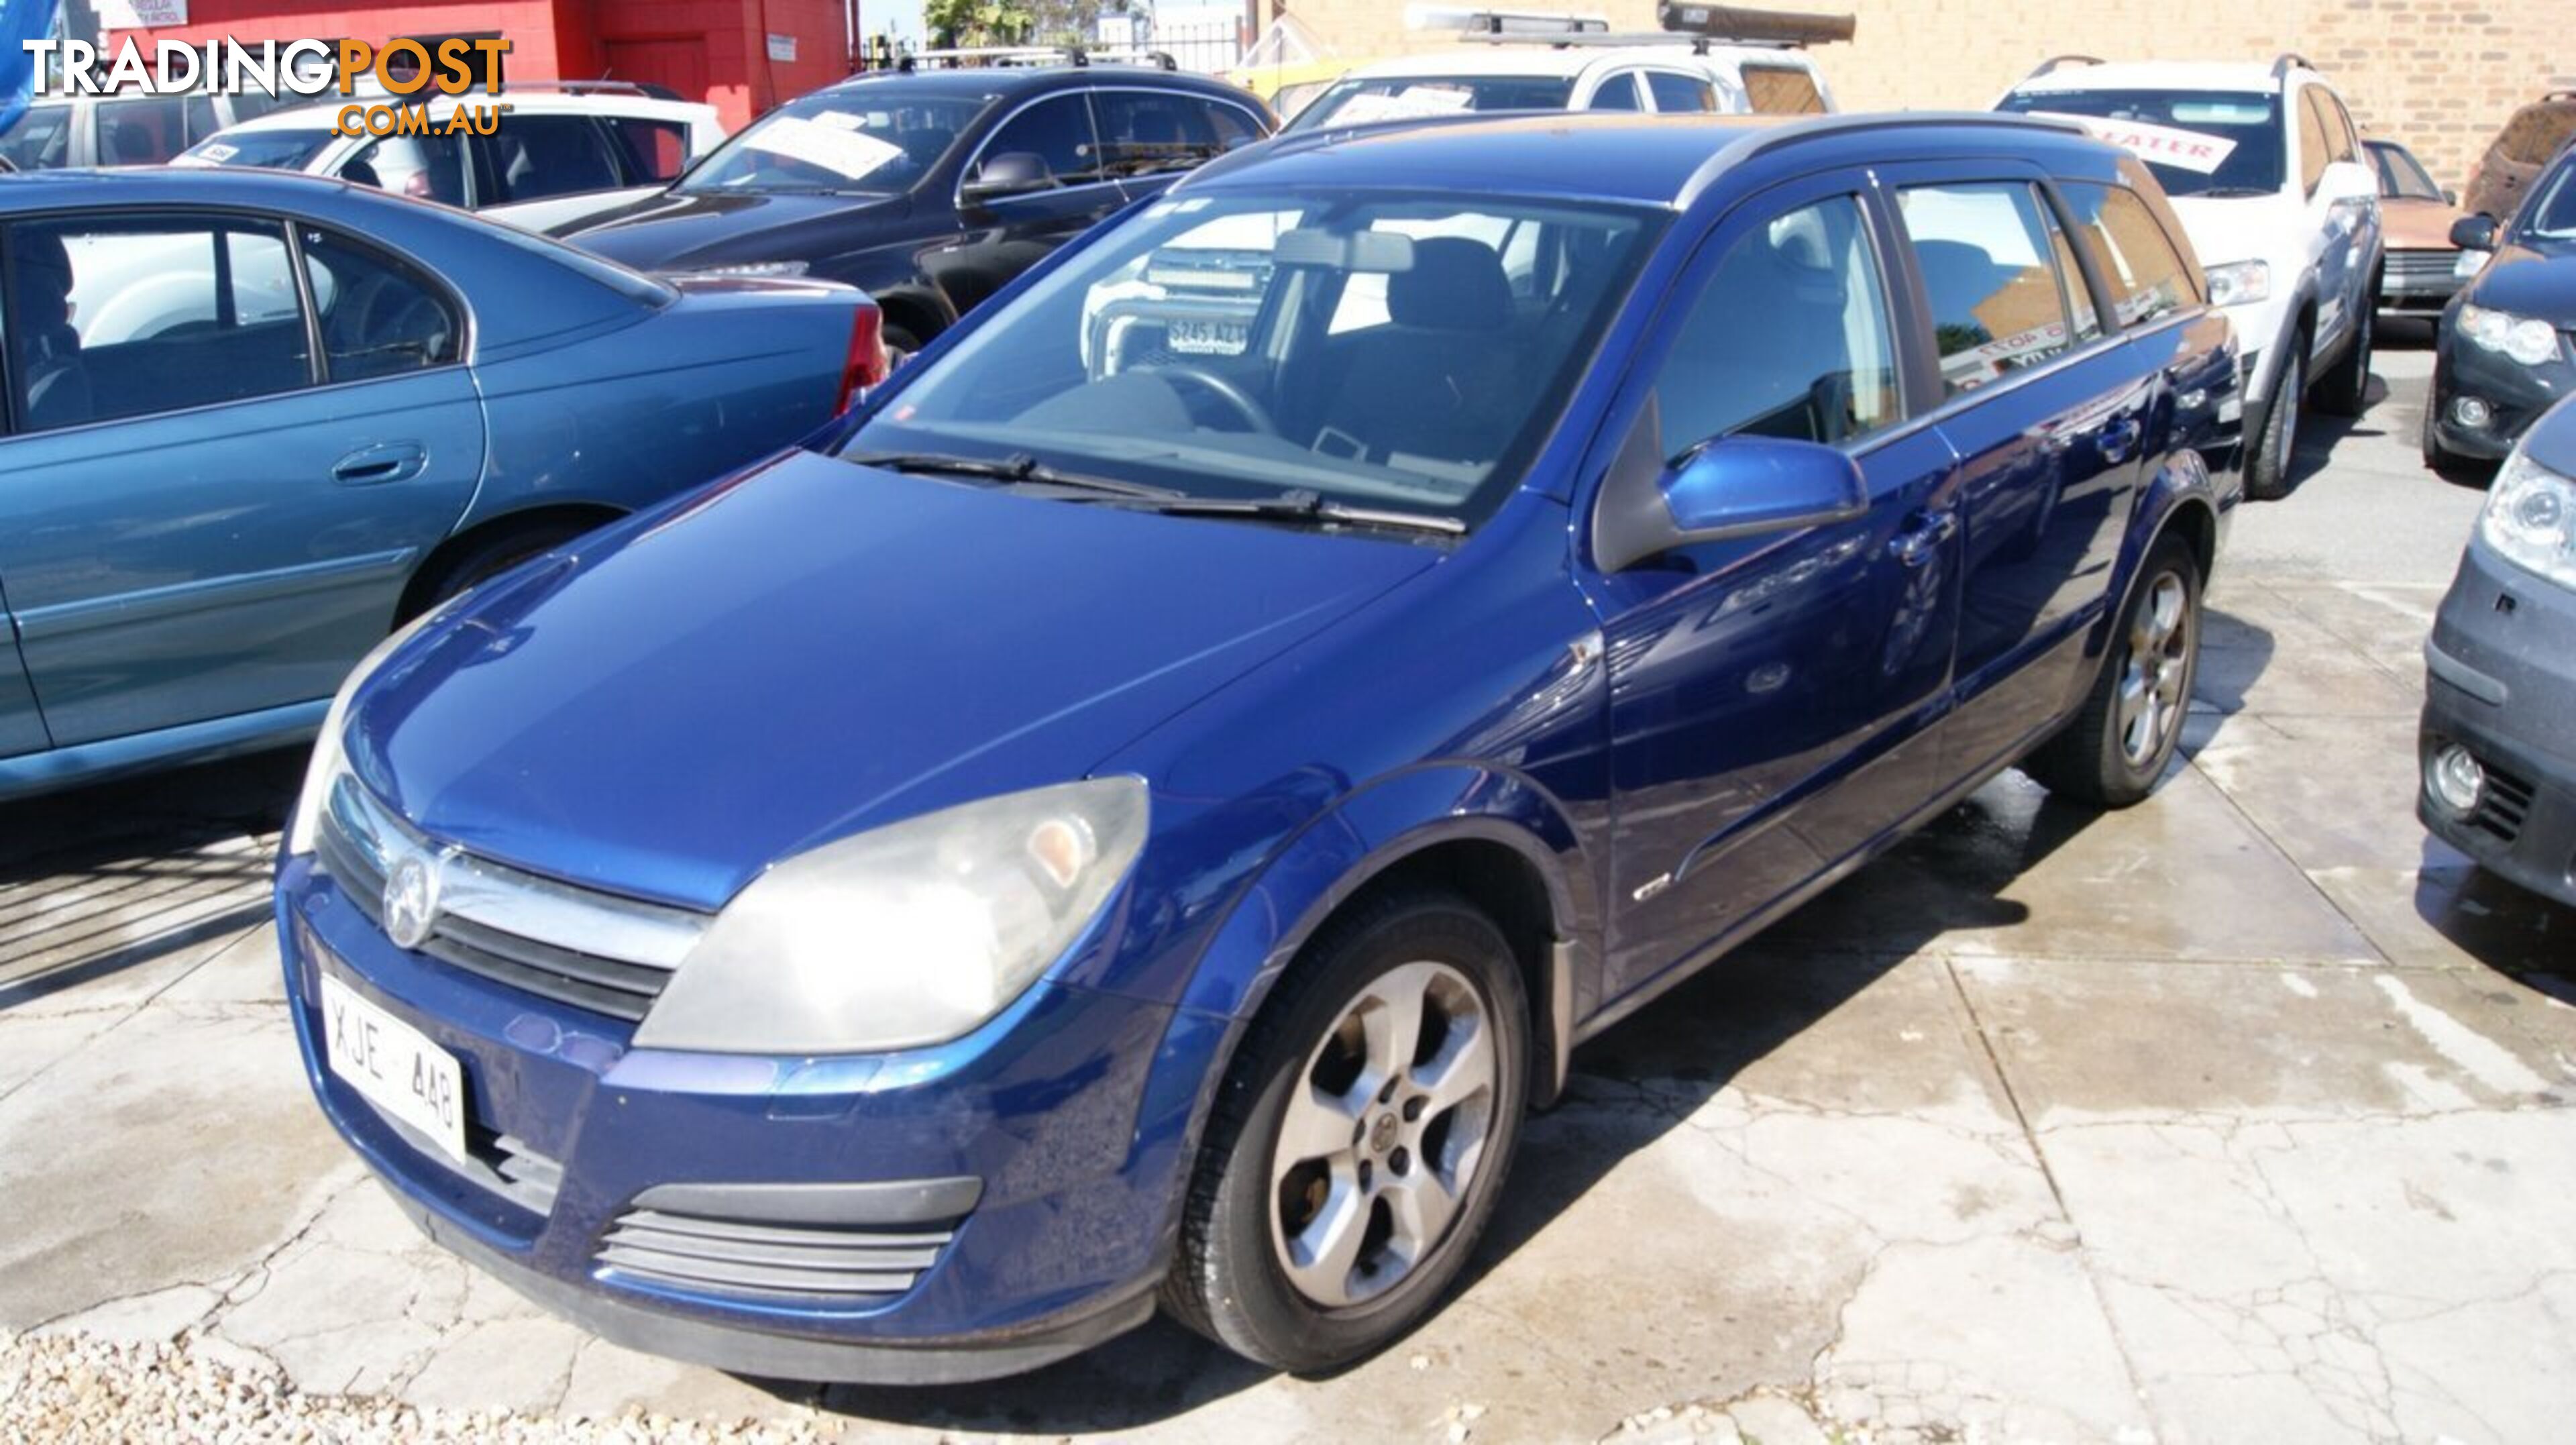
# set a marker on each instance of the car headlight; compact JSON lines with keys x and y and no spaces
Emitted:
{"x":910,"y":934}
{"x":2239,"y":283}
{"x":756,"y":268}
{"x":2519,"y":337}
{"x":2530,"y":518}
{"x":329,"y":756}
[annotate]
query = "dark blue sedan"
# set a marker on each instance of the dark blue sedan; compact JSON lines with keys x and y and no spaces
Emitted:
{"x":1138,"y":818}
{"x":253,"y":422}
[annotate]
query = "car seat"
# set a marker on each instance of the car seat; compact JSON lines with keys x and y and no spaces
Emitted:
{"x":555,"y":160}
{"x":56,"y":389}
{"x":1438,"y":382}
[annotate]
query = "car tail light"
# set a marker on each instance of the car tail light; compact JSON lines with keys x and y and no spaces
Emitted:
{"x":868,"y":362}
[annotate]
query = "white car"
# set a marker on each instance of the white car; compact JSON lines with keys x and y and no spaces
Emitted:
{"x":1526,"y":61}
{"x":2269,"y":178}
{"x":563,"y":151}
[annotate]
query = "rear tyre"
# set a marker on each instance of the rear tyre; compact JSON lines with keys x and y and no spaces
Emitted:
{"x":2272,"y":429}
{"x":2345,"y":388}
{"x":899,"y":344}
{"x":2114,"y":750}
{"x":1360,"y":1139}
{"x":481,"y":563}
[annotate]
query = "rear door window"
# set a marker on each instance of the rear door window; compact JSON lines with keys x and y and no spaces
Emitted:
{"x":1782,"y":90}
{"x":1674,"y":91}
{"x":1056,"y":130}
{"x":536,"y":156}
{"x":2138,"y":262}
{"x":1619,"y":92}
{"x":651,"y":152}
{"x":122,"y":317}
{"x":380,"y":316}
{"x":1983,"y":250}
{"x":425,"y":167}
{"x":1142,"y":132}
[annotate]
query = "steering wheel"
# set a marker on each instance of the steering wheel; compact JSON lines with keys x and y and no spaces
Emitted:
{"x":1255,"y":416}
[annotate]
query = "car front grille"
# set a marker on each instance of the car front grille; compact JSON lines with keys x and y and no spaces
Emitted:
{"x":575,"y":946}
{"x":696,"y":1240}
{"x":2421,"y":265}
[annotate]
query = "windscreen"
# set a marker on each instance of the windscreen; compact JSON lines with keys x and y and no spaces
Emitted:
{"x":1358,"y":101}
{"x":1386,"y":350}
{"x":2549,"y":217}
{"x":874,"y":139}
{"x":2401,"y":178}
{"x":276,"y":150}
{"x":2198,"y":142}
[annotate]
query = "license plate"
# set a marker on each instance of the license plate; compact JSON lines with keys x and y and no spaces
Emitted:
{"x":394,"y":1066}
{"x":1209,"y":338}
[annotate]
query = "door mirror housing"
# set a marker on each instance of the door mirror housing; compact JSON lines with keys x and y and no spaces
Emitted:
{"x":2349,"y":181}
{"x":2474,"y":233}
{"x":2450,"y":197}
{"x":1012,"y":173}
{"x":1738,"y":486}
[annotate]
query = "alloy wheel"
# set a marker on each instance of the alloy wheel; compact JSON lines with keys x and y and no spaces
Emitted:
{"x":1383,"y":1134}
{"x":2284,"y":440}
{"x":2151,"y":701}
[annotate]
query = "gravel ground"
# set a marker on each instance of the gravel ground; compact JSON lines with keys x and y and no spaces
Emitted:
{"x":77,"y":1389}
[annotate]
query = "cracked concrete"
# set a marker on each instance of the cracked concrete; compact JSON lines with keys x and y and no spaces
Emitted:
{"x":2242,"y":1116}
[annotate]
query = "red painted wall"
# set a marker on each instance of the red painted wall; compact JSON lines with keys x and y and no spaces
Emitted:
{"x":711,"y":50}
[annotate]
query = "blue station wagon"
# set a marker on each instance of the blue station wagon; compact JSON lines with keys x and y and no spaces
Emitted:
{"x":1137,"y":819}
{"x":254,"y":421}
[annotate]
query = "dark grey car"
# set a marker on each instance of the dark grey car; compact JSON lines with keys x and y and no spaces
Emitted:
{"x":2499,"y":735}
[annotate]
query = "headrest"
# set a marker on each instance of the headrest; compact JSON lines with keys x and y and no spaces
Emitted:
{"x":44,"y":278}
{"x":1454,"y":284}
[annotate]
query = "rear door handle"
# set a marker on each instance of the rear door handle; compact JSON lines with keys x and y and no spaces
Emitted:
{"x":383,"y":462}
{"x":1921,"y":540}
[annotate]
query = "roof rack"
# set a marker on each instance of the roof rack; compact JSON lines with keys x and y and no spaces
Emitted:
{"x":2281,"y":66}
{"x":1015,"y":56}
{"x":646,"y":89}
{"x":1697,"y":26}
{"x":2061,"y":62}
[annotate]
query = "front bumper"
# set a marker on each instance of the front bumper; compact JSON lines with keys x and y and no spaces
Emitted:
{"x":987,"y":1206}
{"x":2515,"y":394}
{"x":2419,"y":282}
{"x":2501,"y":682}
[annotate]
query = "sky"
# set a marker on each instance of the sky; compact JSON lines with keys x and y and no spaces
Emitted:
{"x":901,"y":17}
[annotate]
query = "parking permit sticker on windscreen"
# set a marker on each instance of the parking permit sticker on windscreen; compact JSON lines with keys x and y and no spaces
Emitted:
{"x":1405,"y":104}
{"x":2184,"y":150}
{"x":847,"y":154}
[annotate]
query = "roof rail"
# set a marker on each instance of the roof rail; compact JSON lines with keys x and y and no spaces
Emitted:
{"x":1010,"y":56}
{"x":2060,"y":62}
{"x":2287,"y":59}
{"x":1698,"y":26}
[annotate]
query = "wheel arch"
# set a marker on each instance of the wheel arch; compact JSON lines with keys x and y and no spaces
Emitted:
{"x":545,"y":516}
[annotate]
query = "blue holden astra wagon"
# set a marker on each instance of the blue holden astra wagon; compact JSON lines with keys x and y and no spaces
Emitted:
{"x":1140,"y":815}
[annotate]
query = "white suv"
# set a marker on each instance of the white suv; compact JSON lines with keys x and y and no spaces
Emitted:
{"x":563,"y":150}
{"x":1526,"y":61}
{"x":2269,"y":178}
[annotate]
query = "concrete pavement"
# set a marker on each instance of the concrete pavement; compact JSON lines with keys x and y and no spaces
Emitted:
{"x":2243,"y":1115}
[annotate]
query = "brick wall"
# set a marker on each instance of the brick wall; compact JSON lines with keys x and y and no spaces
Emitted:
{"x":2440,"y":75}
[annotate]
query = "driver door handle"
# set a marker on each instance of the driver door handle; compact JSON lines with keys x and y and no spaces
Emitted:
{"x":1922,"y":538}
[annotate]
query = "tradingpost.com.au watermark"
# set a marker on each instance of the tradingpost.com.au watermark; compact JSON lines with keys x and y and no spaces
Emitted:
{"x":409,"y":73}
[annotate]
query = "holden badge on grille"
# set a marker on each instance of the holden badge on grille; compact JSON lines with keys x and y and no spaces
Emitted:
{"x":411,"y":900}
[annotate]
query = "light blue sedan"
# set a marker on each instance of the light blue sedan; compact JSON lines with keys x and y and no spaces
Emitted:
{"x":255,"y":421}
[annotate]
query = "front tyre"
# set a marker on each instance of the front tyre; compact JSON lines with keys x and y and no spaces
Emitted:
{"x":2113,"y":751}
{"x":2272,"y":434}
{"x":1360,"y":1140}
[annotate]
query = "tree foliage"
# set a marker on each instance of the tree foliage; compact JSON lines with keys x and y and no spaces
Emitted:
{"x":1015,"y":22}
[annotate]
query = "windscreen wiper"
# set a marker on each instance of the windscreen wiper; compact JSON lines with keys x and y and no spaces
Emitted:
{"x":1019,"y":469}
{"x":1305,"y":505}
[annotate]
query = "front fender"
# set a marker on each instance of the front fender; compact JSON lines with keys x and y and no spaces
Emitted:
{"x":1333,"y":857}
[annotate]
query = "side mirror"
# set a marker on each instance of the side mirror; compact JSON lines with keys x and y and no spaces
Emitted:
{"x":1012,"y":173}
{"x":2349,"y":181}
{"x":2450,"y":197}
{"x":1739,"y":486}
{"x":2474,"y":233}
